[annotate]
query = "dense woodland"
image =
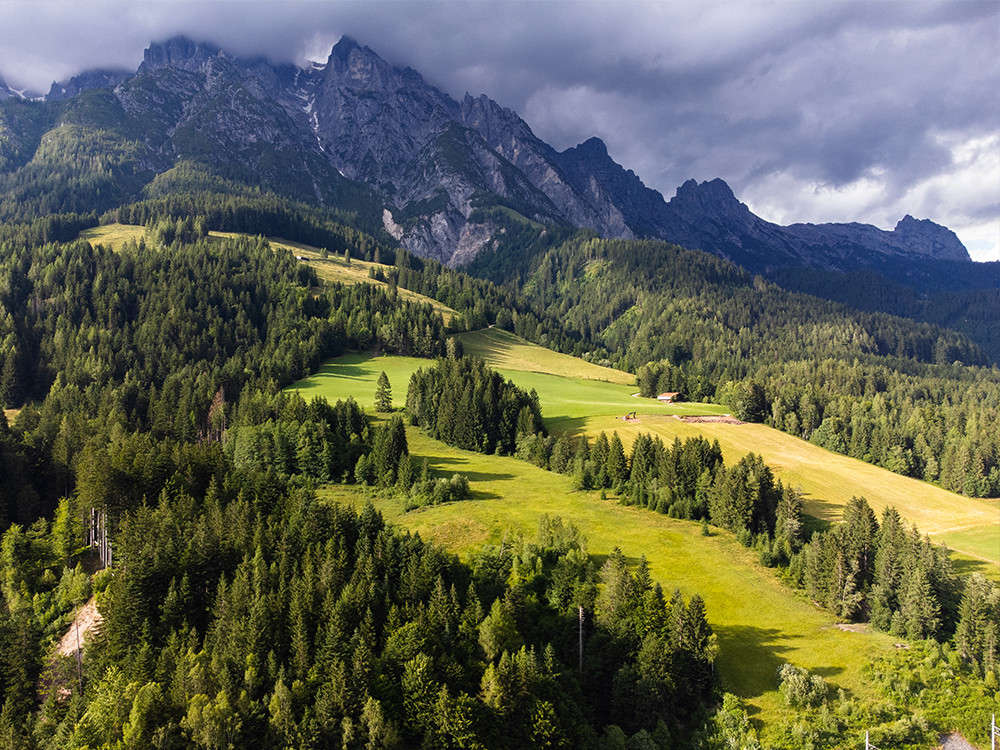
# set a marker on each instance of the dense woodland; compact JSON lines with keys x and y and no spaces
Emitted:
{"x":466,"y":404}
{"x":911,"y":397}
{"x":241,"y":609}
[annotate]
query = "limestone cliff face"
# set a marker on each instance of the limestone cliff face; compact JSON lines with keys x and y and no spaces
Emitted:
{"x":356,"y":128}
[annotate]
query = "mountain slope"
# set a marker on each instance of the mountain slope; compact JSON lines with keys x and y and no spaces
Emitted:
{"x":357,"y":133}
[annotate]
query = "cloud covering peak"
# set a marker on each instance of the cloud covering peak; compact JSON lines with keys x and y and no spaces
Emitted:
{"x":811,"y":111}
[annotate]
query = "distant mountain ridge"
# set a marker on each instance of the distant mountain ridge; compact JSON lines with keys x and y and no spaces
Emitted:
{"x":357,"y":123}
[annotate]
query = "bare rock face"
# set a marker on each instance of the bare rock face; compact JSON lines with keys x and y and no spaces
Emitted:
{"x":94,"y":79}
{"x":180,"y":53}
{"x":924,"y":237}
{"x":356,"y":130}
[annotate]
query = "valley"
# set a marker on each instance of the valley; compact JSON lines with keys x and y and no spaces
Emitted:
{"x":209,"y":262}
{"x":760,"y":622}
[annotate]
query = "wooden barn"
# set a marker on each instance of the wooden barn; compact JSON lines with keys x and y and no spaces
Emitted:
{"x":667,"y":398}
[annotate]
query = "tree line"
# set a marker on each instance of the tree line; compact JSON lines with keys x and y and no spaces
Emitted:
{"x":462,"y":402}
{"x":911,"y":397}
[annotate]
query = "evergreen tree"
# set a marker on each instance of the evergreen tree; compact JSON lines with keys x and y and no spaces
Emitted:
{"x":977,"y":637}
{"x":383,"y":394}
{"x":919,"y":608}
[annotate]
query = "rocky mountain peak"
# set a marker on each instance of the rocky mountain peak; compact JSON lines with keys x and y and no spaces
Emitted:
{"x":179,"y":52}
{"x":925,"y":237}
{"x":498,"y":126}
{"x":710,"y":199}
{"x":432,"y":159}
{"x":343,"y":48}
{"x":354,"y":65}
{"x":593,"y":147}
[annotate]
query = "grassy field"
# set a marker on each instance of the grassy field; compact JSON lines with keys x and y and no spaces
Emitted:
{"x":760,"y":623}
{"x":505,"y":351}
{"x":355,"y":375}
{"x":113,"y":235}
{"x":828,"y":480}
{"x":970,"y":526}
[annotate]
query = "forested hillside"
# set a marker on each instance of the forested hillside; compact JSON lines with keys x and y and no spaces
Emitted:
{"x":241,"y":610}
{"x":146,"y":382}
{"x":912,"y":397}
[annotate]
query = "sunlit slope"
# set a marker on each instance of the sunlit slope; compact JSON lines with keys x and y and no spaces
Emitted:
{"x":333,"y":268}
{"x":506,"y":351}
{"x":760,"y":623}
{"x":829,"y":480}
{"x":113,"y":235}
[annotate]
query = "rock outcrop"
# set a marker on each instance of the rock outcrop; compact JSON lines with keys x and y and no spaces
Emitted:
{"x":356,"y":130}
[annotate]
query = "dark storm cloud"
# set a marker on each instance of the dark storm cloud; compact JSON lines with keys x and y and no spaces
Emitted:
{"x":812,"y":111}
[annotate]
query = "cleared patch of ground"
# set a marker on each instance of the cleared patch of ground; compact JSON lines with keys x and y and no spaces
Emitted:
{"x":710,"y":419}
{"x":87,"y":618}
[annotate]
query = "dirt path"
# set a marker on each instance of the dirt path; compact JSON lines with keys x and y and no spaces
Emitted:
{"x":955,"y":741}
{"x":87,"y":618}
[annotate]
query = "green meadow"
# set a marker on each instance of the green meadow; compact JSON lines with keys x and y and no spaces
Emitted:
{"x":113,"y":235}
{"x":760,"y":622}
{"x":969,"y":526}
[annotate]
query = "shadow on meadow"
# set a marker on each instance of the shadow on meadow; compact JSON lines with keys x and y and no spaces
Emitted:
{"x":759,"y":652}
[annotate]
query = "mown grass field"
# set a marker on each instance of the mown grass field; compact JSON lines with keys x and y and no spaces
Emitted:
{"x":828,"y":480}
{"x":760,"y":622}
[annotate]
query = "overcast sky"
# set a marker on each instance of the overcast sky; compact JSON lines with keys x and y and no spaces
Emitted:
{"x":811,"y":110}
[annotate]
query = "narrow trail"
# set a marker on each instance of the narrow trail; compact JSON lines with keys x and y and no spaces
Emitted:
{"x":58,"y":677}
{"x":87,"y":618}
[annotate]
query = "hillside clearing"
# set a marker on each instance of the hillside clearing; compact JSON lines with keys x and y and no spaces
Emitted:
{"x":969,"y":526}
{"x":114,"y":236}
{"x":506,"y":351}
{"x":760,"y":622}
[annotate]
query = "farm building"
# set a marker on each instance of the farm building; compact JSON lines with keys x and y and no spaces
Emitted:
{"x":667,"y":398}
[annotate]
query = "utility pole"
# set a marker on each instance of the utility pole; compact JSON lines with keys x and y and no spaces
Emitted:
{"x":581,"y":638}
{"x":79,"y":650}
{"x":993,"y":732}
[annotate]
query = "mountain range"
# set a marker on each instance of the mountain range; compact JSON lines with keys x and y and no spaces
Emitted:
{"x":357,"y":133}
